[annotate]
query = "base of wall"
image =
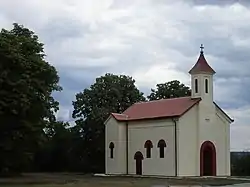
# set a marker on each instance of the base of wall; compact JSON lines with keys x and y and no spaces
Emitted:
{"x":171,"y":177}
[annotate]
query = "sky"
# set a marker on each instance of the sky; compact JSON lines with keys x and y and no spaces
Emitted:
{"x":154,"y":41}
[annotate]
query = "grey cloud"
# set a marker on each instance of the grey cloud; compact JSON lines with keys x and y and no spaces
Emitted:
{"x":74,"y":81}
{"x":71,"y":86}
{"x":120,"y":4}
{"x":219,"y":3}
{"x":229,"y":61}
{"x":136,"y":35}
{"x":61,"y":28}
{"x":70,"y":41}
{"x":240,"y":138}
{"x":240,"y":130}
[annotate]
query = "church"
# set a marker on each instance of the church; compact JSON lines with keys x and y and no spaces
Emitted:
{"x":186,"y":136}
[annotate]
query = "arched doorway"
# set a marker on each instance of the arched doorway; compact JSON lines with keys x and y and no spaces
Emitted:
{"x":207,"y":159}
{"x":138,"y":159}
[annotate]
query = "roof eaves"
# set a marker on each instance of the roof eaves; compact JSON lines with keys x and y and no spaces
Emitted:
{"x":201,"y":72}
{"x":105,"y":122}
{"x":154,"y":118}
{"x":230,"y":119}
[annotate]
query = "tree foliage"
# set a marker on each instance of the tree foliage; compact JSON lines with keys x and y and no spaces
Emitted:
{"x":110,"y":93}
{"x":171,"y":89}
{"x":240,"y":163}
{"x":61,"y":149}
{"x":27,"y":82}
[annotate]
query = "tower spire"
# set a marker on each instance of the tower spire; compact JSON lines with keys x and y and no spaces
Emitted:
{"x":202,"y":79}
{"x":201,"y":47}
{"x":201,"y":65}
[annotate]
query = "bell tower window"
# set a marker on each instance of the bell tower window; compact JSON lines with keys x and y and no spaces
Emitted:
{"x":206,"y":85}
{"x":196,"y":85}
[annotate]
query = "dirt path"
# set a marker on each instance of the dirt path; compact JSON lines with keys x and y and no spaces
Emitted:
{"x":80,"y":180}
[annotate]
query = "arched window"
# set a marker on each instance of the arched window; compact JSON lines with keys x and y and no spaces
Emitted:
{"x":138,"y":162}
{"x":206,"y":85}
{"x":161,"y":145}
{"x":111,"y":147}
{"x":148,"y":145}
{"x":196,"y":85}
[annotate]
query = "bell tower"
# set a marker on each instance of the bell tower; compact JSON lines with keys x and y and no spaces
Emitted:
{"x":202,"y":79}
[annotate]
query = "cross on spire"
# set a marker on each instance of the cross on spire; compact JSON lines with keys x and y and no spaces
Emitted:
{"x":201,"y":47}
{"x":201,"y":65}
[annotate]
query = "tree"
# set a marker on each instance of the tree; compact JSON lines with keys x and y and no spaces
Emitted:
{"x":170,"y":89}
{"x":27,"y":82}
{"x":110,"y":93}
{"x":240,"y":163}
{"x":53,"y":155}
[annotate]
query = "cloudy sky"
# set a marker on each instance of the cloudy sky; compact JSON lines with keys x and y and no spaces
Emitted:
{"x":152,"y":40}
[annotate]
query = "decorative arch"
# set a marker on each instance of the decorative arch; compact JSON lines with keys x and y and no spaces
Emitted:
{"x":148,"y":145}
{"x":111,"y":147}
{"x":138,"y":155}
{"x":207,"y":159}
{"x":138,"y":159}
{"x":161,"y":145}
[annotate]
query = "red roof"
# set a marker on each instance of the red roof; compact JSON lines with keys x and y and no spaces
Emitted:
{"x":163,"y":108}
{"x":120,"y":117}
{"x":201,"y":66}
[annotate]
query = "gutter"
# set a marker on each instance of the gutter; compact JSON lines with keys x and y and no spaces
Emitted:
{"x":127,"y":147}
{"x":175,"y":144}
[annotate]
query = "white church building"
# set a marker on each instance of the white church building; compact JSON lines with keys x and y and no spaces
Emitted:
{"x":187,"y":136}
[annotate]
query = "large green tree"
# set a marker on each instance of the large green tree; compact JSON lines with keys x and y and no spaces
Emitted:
{"x":26,"y":105}
{"x":110,"y":93}
{"x":54,"y":154}
{"x":171,"y":89}
{"x":240,"y":163}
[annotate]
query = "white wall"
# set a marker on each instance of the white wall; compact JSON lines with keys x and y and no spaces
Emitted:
{"x":224,"y":149}
{"x":207,"y":97}
{"x":201,"y":123}
{"x":213,"y":127}
{"x":154,"y":130}
{"x":115,"y":132}
{"x":187,"y":133}
{"x":193,"y":130}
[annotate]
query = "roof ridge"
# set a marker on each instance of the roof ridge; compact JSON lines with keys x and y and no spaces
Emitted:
{"x":157,"y":100}
{"x":117,"y":113}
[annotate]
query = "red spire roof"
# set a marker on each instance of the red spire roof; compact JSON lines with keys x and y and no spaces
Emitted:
{"x":201,"y":65}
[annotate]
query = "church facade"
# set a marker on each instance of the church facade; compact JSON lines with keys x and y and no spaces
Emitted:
{"x":187,"y":136}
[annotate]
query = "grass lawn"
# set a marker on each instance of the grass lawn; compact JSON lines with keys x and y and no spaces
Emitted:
{"x":78,"y":180}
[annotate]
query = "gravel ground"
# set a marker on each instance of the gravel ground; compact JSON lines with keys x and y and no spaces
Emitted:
{"x":80,"y":180}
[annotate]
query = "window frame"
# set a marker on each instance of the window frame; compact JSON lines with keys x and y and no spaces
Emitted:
{"x":111,"y":147}
{"x":206,"y":85}
{"x":161,"y":145}
{"x":196,"y":85}
{"x":148,"y":146}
